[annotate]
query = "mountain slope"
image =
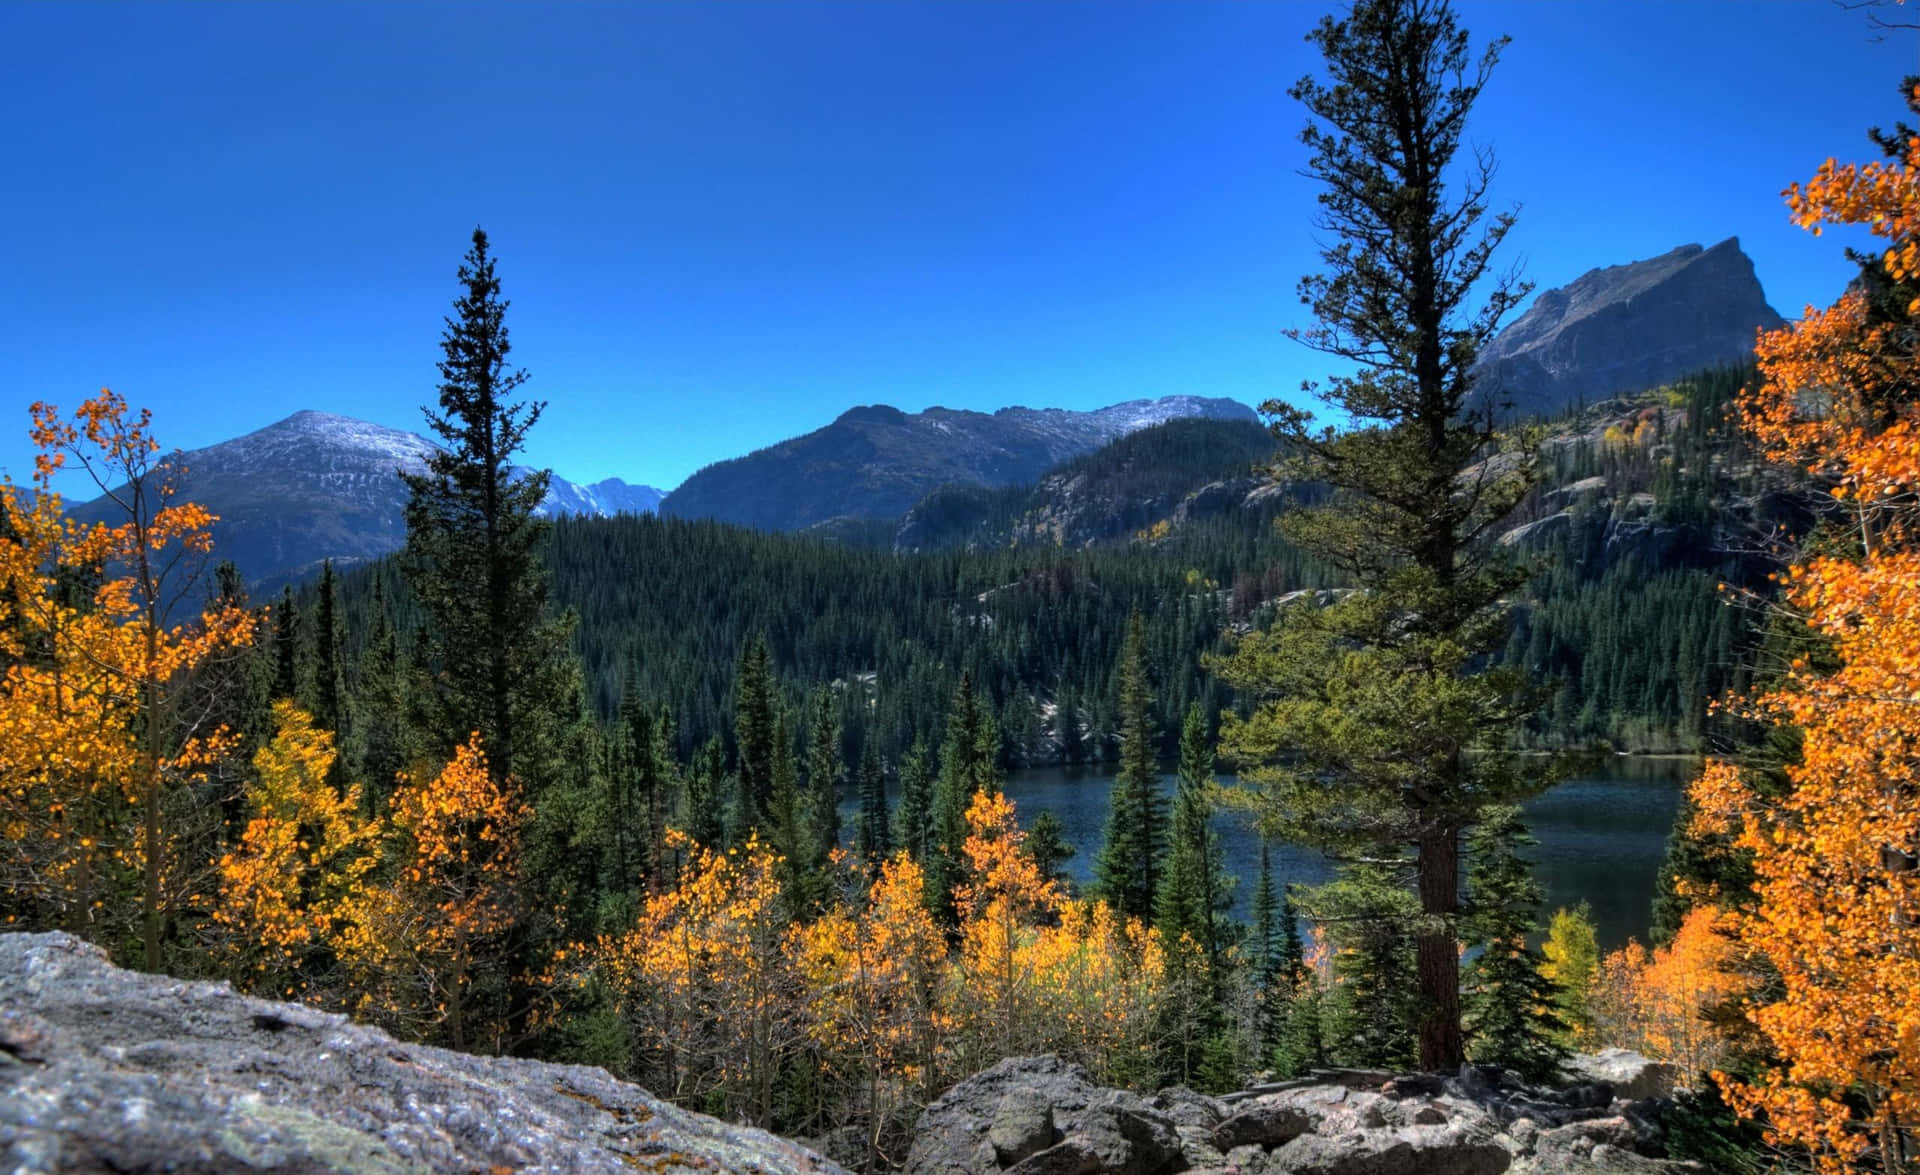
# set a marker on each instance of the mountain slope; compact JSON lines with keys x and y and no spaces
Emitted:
{"x":1626,"y":328}
{"x":877,"y":462}
{"x":316,"y":486}
{"x":1171,"y":473}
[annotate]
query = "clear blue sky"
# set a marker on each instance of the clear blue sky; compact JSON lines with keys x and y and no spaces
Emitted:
{"x":722,"y":224}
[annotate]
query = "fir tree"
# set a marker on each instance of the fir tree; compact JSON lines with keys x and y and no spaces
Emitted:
{"x":913,"y":819}
{"x":497,"y":660}
{"x":329,"y":708}
{"x":1128,"y":868}
{"x":872,"y":839}
{"x":1366,"y":709}
{"x":1509,"y":1004}
{"x":961,"y":774}
{"x":1370,"y":1012}
{"x":379,"y":747}
{"x":824,"y":772}
{"x":753,"y":735}
{"x":702,"y":816}
{"x":1194,"y":889}
{"x":1047,"y":845}
{"x":286,"y":647}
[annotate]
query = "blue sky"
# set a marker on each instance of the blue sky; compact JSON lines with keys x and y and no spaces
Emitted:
{"x":722,"y":224}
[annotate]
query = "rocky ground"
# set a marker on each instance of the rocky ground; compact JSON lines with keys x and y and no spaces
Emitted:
{"x":1043,"y":1116}
{"x":108,"y":1070}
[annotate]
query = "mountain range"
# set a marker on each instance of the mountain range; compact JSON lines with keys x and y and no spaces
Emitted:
{"x":874,"y":463}
{"x":317,"y":486}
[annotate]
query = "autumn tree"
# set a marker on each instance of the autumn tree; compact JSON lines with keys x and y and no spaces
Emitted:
{"x":293,"y":884}
{"x":101,"y":731}
{"x":1376,"y":727}
{"x":1657,"y":1002}
{"x":1835,"y":889}
{"x":432,"y":953}
{"x":1570,"y":961}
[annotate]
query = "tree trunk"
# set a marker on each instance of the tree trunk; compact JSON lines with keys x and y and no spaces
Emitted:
{"x":1442,"y":1046}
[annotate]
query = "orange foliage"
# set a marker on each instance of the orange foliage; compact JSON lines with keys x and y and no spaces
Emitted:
{"x":1656,"y":1004}
{"x":92,"y":741}
{"x":1836,"y":885}
{"x":424,"y":946}
{"x":291,"y":886}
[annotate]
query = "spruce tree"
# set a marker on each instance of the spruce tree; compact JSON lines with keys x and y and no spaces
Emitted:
{"x":913,"y":819}
{"x":329,"y":671}
{"x":379,"y":746}
{"x":1194,"y":890}
{"x":961,"y":774}
{"x":1373,"y":1006}
{"x":872,"y":838}
{"x":1377,"y":730}
{"x":1047,"y":846}
{"x":1129,"y":866}
{"x":702,"y":815}
{"x":286,"y":647}
{"x":754,"y":702}
{"x":1510,"y":1016}
{"x":824,"y":772}
{"x":497,"y":660}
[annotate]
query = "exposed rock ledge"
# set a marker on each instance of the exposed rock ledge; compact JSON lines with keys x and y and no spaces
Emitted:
{"x":1043,"y":1116}
{"x":109,"y":1070}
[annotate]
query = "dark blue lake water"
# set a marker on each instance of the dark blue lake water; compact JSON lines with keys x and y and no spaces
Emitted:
{"x":1601,"y":835}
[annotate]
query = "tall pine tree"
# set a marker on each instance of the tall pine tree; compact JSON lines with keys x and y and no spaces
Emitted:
{"x":1510,"y":1005}
{"x":1128,"y":868}
{"x":872,"y":839}
{"x":497,"y":659}
{"x":1376,"y":728}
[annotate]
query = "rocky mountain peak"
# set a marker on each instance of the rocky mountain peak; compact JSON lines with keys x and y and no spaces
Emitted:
{"x":1625,"y":328}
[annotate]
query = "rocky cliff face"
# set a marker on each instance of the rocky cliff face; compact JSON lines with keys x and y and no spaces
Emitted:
{"x":1626,"y":328}
{"x":108,"y":1070}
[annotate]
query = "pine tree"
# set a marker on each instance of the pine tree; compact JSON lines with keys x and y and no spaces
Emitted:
{"x":872,"y":839}
{"x":379,"y":747}
{"x":1366,"y":709}
{"x":1510,"y":1014}
{"x":1129,"y":866}
{"x":753,"y":717}
{"x":497,"y":660}
{"x":961,"y":774}
{"x":286,"y":647}
{"x":913,"y":819}
{"x":824,"y":772}
{"x":1194,"y":890}
{"x":329,"y":708}
{"x":1047,"y":845}
{"x":703,"y":815}
{"x":1371,"y":1011}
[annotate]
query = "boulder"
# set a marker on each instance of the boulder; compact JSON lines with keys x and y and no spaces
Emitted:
{"x":1630,"y":1075}
{"x":108,"y":1070}
{"x":1095,"y":1130}
{"x":1409,"y":1150}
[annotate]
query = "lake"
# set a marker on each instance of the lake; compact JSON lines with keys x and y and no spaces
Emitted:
{"x":1602,"y":835}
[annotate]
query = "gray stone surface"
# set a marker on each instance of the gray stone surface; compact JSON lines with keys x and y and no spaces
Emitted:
{"x":108,"y":1070}
{"x":1630,"y":1075}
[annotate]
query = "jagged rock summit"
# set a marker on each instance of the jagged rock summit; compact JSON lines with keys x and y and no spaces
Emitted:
{"x":108,"y":1070}
{"x":1626,"y":328}
{"x":875,"y":462}
{"x":318,"y":486}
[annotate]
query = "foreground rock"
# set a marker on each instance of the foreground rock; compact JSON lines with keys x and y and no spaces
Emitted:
{"x":1044,"y":1116}
{"x":108,"y":1070}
